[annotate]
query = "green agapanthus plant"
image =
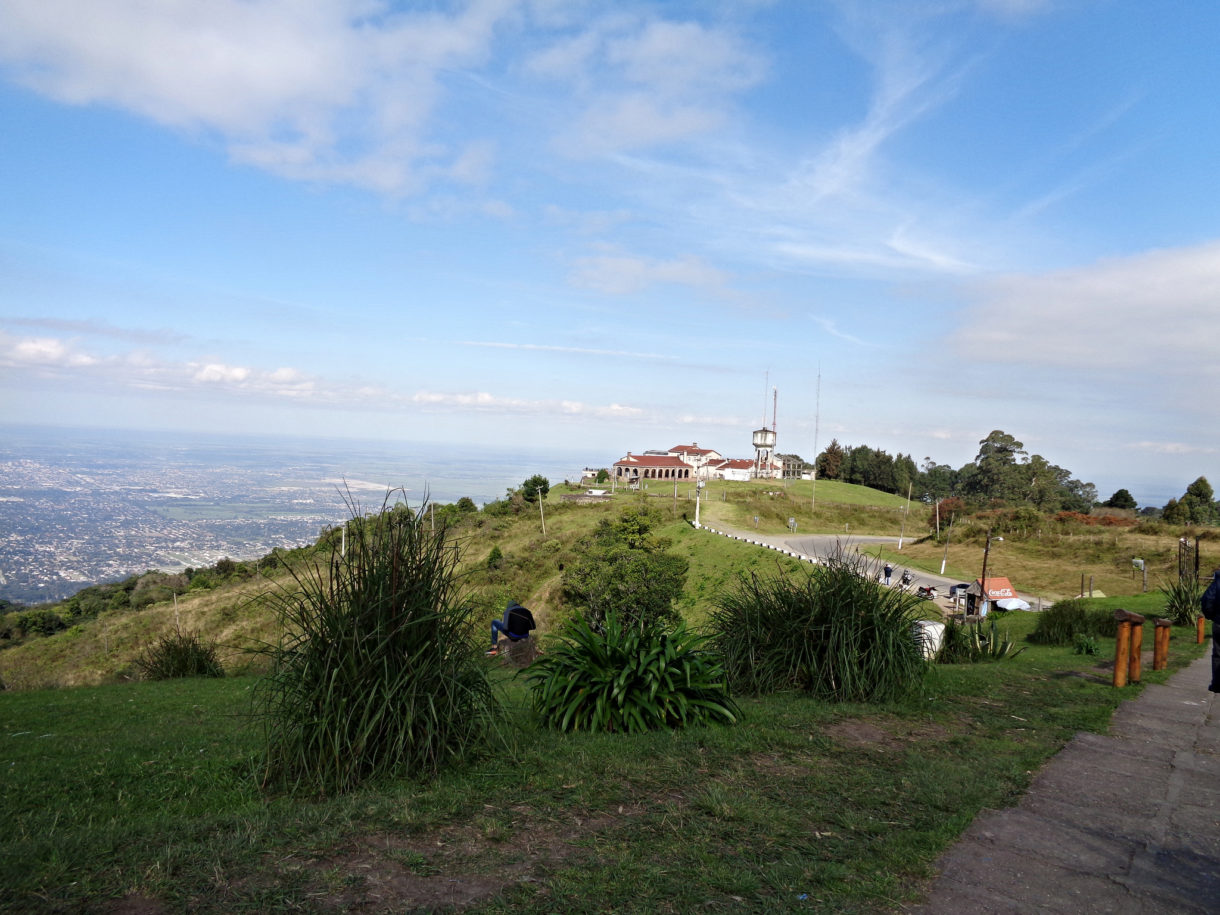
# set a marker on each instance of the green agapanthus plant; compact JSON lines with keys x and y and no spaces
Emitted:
{"x":627,"y":677}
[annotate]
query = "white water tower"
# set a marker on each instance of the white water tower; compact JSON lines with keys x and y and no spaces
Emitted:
{"x":764,"y":445}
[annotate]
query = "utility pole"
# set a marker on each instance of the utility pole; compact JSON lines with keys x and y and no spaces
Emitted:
{"x":817,"y":419}
{"x":541,"y":513}
{"x":983,"y":580}
{"x":902,"y":533}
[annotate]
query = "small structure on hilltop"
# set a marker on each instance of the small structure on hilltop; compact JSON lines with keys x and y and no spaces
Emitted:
{"x":766,"y":467}
{"x":651,"y":465}
{"x":996,"y":589}
{"x":702,"y":459}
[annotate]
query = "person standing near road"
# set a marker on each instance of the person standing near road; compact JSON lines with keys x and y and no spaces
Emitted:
{"x":1209,"y":603}
{"x":889,"y":570}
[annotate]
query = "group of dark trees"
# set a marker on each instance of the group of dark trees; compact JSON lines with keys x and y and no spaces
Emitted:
{"x":1197,"y":506}
{"x":626,"y":570}
{"x":865,"y":466}
{"x":1002,"y":474}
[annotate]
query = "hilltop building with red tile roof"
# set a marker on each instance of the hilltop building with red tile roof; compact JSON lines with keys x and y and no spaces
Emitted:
{"x":690,"y":462}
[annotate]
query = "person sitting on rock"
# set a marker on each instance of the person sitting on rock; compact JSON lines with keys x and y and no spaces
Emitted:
{"x":516,"y":624}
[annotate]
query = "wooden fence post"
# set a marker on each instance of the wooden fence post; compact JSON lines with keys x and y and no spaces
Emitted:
{"x":1137,"y":644}
{"x":1122,"y":650}
{"x":1199,"y":624}
{"x":1160,"y":644}
{"x":1127,"y":647}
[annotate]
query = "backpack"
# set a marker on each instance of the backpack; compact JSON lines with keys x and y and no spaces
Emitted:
{"x":1209,"y":603}
{"x":520,"y":622}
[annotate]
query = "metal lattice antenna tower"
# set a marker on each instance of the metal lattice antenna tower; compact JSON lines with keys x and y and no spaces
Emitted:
{"x":817,"y":421}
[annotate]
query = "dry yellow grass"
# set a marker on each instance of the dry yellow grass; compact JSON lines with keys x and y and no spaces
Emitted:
{"x":1052,"y":565}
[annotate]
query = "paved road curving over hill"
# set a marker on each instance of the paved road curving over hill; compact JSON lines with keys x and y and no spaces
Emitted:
{"x":824,"y":545}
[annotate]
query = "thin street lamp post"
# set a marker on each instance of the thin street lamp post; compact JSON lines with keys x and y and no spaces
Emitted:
{"x":983,"y":580}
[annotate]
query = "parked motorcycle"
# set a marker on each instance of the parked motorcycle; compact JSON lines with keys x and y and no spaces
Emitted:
{"x":927,"y":592}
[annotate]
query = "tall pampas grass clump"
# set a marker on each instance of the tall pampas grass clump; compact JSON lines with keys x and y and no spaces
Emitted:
{"x":377,"y":672}
{"x":832,"y":632}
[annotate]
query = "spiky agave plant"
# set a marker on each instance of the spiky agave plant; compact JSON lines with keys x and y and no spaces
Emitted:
{"x":831,"y":631}
{"x":376,"y":672}
{"x":968,"y":644}
{"x":1182,"y":600}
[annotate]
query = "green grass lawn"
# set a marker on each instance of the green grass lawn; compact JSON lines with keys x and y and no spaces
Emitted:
{"x":146,"y":793}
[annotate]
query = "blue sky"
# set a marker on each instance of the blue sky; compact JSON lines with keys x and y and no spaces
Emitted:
{"x":618,"y":227}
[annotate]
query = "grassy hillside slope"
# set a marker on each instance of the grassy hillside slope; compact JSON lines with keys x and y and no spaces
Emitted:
{"x":1049,"y":560}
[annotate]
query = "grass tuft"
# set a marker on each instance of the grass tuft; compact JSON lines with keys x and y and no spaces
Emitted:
{"x":377,"y":672}
{"x":179,"y":654}
{"x":832,"y":632}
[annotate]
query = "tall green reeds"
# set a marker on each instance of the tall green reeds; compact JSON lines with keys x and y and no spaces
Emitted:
{"x":377,"y":672}
{"x":833,"y":632}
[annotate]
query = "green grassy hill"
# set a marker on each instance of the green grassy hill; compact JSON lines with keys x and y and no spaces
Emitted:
{"x":1050,"y":559}
{"x":146,"y":796}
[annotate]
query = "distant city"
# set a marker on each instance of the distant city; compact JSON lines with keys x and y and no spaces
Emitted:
{"x":78,"y":507}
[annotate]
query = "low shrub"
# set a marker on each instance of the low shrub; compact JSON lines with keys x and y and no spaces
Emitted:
{"x":834,"y":633}
{"x":179,"y":654}
{"x":40,"y":622}
{"x":628,"y":677}
{"x":1085,"y":644}
{"x":1063,"y":621}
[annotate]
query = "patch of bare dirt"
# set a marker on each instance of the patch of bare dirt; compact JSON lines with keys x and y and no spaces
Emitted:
{"x":882,"y":734}
{"x":453,"y":867}
{"x":136,"y":904}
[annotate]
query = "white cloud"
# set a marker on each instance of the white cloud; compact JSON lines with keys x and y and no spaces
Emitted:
{"x":625,"y":274}
{"x":330,"y":90}
{"x":680,"y":57}
{"x":1172,"y":448}
{"x":49,"y":359}
{"x":570,"y":350}
{"x":639,"y":82}
{"x":229,"y":374}
{"x":1147,"y":315}
{"x":482,"y":401}
{"x":832,"y":329}
{"x":41,"y":352}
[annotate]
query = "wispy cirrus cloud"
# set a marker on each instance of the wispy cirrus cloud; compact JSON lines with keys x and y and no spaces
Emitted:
{"x":570,"y":350}
{"x":637,"y":82}
{"x":99,"y":329}
{"x":625,"y":274}
{"x":1172,"y":448}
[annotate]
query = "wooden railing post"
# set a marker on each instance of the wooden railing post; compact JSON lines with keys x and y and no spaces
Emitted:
{"x":1137,"y":645}
{"x":1160,"y":644}
{"x":1199,"y":630}
{"x":1122,"y":650}
{"x":1127,"y":647}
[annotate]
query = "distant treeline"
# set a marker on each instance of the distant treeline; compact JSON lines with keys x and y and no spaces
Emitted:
{"x":1002,"y":475}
